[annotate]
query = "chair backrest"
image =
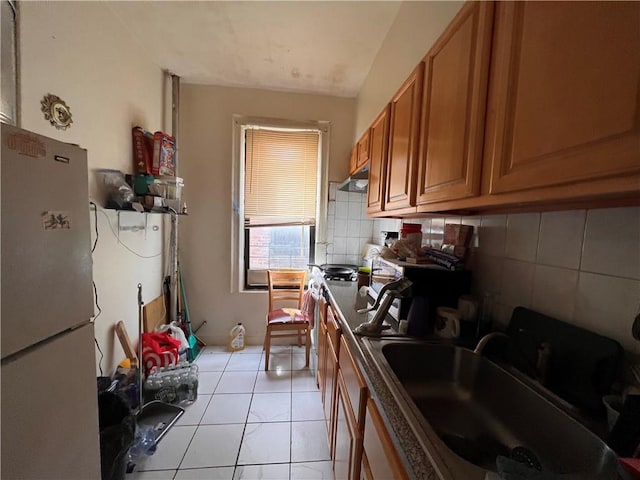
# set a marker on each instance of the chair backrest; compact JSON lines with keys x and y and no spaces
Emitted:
{"x":286,"y":286}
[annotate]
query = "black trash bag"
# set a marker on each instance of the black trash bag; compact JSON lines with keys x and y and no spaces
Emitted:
{"x":117,"y":431}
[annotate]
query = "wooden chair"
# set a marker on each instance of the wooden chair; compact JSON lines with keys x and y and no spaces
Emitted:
{"x":287,"y":286}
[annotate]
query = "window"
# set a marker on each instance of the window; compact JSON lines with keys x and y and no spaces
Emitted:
{"x":280,"y":172}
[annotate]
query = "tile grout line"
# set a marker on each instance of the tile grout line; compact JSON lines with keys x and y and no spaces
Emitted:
{"x":235,"y":467}
{"x":244,"y":430}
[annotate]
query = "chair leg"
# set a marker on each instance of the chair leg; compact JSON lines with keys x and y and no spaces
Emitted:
{"x":307,"y":346}
{"x":267,"y":347}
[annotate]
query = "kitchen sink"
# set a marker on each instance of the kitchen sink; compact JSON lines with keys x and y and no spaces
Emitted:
{"x":474,"y":411}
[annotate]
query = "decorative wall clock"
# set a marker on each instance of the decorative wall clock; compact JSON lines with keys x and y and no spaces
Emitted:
{"x":56,"y":111}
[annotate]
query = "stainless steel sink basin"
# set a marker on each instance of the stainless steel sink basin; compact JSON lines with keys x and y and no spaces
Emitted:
{"x":476,"y":411}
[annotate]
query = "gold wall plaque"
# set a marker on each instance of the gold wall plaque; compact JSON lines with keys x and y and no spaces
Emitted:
{"x":56,"y":111}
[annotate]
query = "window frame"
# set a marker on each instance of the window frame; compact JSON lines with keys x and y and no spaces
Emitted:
{"x":239,"y":238}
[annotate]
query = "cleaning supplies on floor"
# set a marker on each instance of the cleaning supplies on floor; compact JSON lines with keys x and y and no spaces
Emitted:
{"x":236,"y":338}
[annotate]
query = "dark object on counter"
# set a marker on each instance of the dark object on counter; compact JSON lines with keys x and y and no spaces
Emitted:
{"x":625,"y":435}
{"x":433,"y":288}
{"x":418,"y":312}
{"x":446,"y":260}
{"x":364,"y":277}
{"x":336,"y":271}
{"x":117,"y":430}
{"x":581,"y":365}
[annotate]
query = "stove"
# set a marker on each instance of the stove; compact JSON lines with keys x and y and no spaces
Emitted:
{"x":347,"y":277}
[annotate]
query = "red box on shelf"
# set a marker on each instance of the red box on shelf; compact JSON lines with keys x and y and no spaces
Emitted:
{"x":142,"y":150}
{"x":164,"y":151}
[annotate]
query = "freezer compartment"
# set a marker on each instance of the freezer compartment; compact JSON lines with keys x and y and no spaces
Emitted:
{"x":46,"y":239}
{"x":49,"y":410}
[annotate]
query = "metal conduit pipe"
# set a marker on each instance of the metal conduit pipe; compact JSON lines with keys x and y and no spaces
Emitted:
{"x":175,"y":117}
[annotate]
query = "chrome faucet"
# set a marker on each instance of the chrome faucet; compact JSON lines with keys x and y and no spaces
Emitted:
{"x":486,"y":339}
{"x":389,"y":291}
{"x":542,"y":362}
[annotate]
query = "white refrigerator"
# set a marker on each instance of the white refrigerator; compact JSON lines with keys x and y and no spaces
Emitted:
{"x":49,"y":404}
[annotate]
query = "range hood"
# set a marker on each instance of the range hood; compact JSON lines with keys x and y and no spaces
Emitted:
{"x":357,"y":182}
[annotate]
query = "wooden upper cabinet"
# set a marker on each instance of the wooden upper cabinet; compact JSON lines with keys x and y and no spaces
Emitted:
{"x":353,"y":159}
{"x":454,"y":101}
{"x":404,"y":133}
{"x":363,"y":150}
{"x":379,"y":133}
{"x":360,"y":153}
{"x":564,"y":98}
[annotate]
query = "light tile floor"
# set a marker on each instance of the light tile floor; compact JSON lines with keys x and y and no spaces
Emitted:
{"x":246,"y":423}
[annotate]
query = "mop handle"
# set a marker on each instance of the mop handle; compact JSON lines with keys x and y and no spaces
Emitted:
{"x":140,"y":361}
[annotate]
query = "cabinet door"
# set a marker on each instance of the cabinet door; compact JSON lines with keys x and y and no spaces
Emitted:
{"x":363,"y":150}
{"x":353,"y":159}
{"x":564,"y":95}
{"x":455,"y":94}
{"x":348,"y":441}
{"x":322,"y":347}
{"x":333,"y":329}
{"x":365,"y":470}
{"x":403,"y":143}
{"x":329,"y":398}
{"x":378,"y":161}
{"x":356,"y":388}
{"x":382,"y":460}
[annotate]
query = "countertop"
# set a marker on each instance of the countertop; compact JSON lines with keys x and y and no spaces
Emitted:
{"x":422,"y":457}
{"x":418,"y":460}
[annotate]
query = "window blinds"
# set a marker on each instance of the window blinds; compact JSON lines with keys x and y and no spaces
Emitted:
{"x":281,"y":176}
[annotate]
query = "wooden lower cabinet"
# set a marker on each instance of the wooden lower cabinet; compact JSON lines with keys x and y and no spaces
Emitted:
{"x":321,"y":347}
{"x":330,"y":373}
{"x":359,"y":444}
{"x":328,"y":400}
{"x":347,"y":446}
{"x":356,"y":388}
{"x":380,"y":460}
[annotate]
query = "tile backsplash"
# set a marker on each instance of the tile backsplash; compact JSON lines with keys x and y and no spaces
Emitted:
{"x":348,"y":227}
{"x":579,"y":266}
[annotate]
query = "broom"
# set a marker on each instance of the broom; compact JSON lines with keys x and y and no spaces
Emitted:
{"x":195,"y":343}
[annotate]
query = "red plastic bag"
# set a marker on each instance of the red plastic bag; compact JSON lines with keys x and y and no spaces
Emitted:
{"x":159,"y":350}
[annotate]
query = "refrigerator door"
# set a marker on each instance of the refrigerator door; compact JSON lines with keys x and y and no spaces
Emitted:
{"x":46,"y":239}
{"x":50,"y":410}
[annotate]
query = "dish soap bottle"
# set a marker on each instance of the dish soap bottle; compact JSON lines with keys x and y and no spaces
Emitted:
{"x":236,"y":338}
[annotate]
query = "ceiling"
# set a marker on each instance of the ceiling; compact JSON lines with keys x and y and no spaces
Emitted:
{"x":316,"y":47}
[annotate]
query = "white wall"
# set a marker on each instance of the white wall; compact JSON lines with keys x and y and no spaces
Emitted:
{"x":206,"y":166}
{"x":413,"y":32}
{"x":80,"y":52}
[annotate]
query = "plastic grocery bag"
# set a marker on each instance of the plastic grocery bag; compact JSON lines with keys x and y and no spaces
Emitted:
{"x":177,"y":333}
{"x":159,"y":350}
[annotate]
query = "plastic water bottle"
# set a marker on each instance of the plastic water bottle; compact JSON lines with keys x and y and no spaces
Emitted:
{"x":236,"y":338}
